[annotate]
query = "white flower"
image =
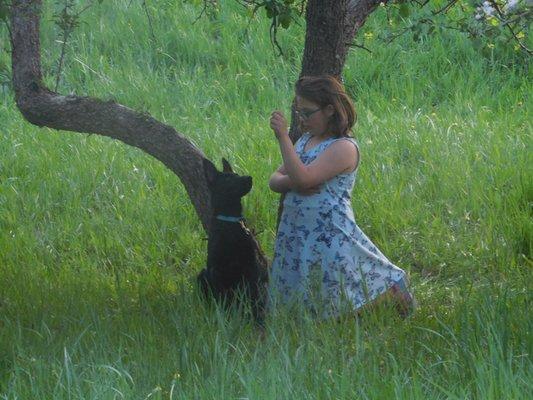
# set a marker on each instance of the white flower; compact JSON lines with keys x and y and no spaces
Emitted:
{"x":510,"y":5}
{"x":488,"y":9}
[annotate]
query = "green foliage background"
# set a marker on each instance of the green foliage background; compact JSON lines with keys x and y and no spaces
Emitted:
{"x":99,"y":244}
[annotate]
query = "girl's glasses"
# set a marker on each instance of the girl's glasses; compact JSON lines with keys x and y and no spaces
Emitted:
{"x":305,"y":114}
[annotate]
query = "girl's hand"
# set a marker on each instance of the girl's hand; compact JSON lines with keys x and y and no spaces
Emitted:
{"x":278,"y":123}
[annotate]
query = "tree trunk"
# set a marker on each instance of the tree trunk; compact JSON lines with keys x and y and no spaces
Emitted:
{"x":43,"y":107}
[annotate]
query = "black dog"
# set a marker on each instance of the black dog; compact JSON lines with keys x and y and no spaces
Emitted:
{"x":235,"y":263}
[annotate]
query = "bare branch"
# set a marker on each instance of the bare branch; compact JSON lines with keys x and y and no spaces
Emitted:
{"x":207,"y":4}
{"x":360,"y":46}
{"x":67,"y":23}
{"x":446,"y":8}
{"x":274,"y":35}
{"x":145,"y":7}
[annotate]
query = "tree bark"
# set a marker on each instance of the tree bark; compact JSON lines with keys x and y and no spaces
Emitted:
{"x":331,"y":28}
{"x":43,"y":107}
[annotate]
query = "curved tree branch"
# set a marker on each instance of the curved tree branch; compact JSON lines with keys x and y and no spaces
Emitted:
{"x":43,"y":107}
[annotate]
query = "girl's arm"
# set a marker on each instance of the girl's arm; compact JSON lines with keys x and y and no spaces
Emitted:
{"x":340,"y":157}
{"x":279,"y":181}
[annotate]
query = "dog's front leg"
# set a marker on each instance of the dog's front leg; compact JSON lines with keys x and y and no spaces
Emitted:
{"x":204,"y":283}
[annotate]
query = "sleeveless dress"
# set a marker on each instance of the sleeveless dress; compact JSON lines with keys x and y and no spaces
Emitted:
{"x":321,"y":257}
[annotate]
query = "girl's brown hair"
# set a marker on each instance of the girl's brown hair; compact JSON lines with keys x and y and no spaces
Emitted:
{"x":326,"y":90}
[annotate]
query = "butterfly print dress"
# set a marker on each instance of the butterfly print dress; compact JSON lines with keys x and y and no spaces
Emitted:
{"x":321,"y":257}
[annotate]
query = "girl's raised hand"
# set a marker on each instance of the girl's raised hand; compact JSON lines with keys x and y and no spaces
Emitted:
{"x":278,"y":123}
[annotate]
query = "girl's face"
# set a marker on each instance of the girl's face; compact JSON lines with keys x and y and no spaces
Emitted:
{"x":312,"y":117}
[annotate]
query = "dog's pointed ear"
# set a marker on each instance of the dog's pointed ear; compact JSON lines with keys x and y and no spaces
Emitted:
{"x":210,"y":171}
{"x":226,"y":167}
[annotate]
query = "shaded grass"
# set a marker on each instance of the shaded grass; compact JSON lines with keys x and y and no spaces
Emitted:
{"x":156,"y":345}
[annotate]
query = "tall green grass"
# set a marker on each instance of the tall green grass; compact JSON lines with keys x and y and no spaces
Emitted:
{"x":99,"y":244}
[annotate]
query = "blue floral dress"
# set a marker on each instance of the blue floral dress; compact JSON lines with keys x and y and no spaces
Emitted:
{"x":321,"y":257}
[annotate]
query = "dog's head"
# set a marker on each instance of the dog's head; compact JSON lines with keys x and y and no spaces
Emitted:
{"x":226,"y":187}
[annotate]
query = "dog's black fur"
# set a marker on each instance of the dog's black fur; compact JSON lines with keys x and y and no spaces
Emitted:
{"x":235,"y":263}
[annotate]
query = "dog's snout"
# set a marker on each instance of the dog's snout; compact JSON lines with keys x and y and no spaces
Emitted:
{"x":246,"y":184}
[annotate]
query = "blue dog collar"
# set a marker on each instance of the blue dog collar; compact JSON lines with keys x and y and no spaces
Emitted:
{"x":229,"y":219}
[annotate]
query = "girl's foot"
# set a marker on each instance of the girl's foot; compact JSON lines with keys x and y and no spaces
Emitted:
{"x":404,"y":300}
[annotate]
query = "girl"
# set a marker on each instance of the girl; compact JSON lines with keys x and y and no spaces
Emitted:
{"x":321,"y":256}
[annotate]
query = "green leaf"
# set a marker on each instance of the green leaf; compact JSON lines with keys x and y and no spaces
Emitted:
{"x":271,"y":13}
{"x":494,"y":21}
{"x":404,"y":10}
{"x":285,"y":20}
{"x":4,"y":10}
